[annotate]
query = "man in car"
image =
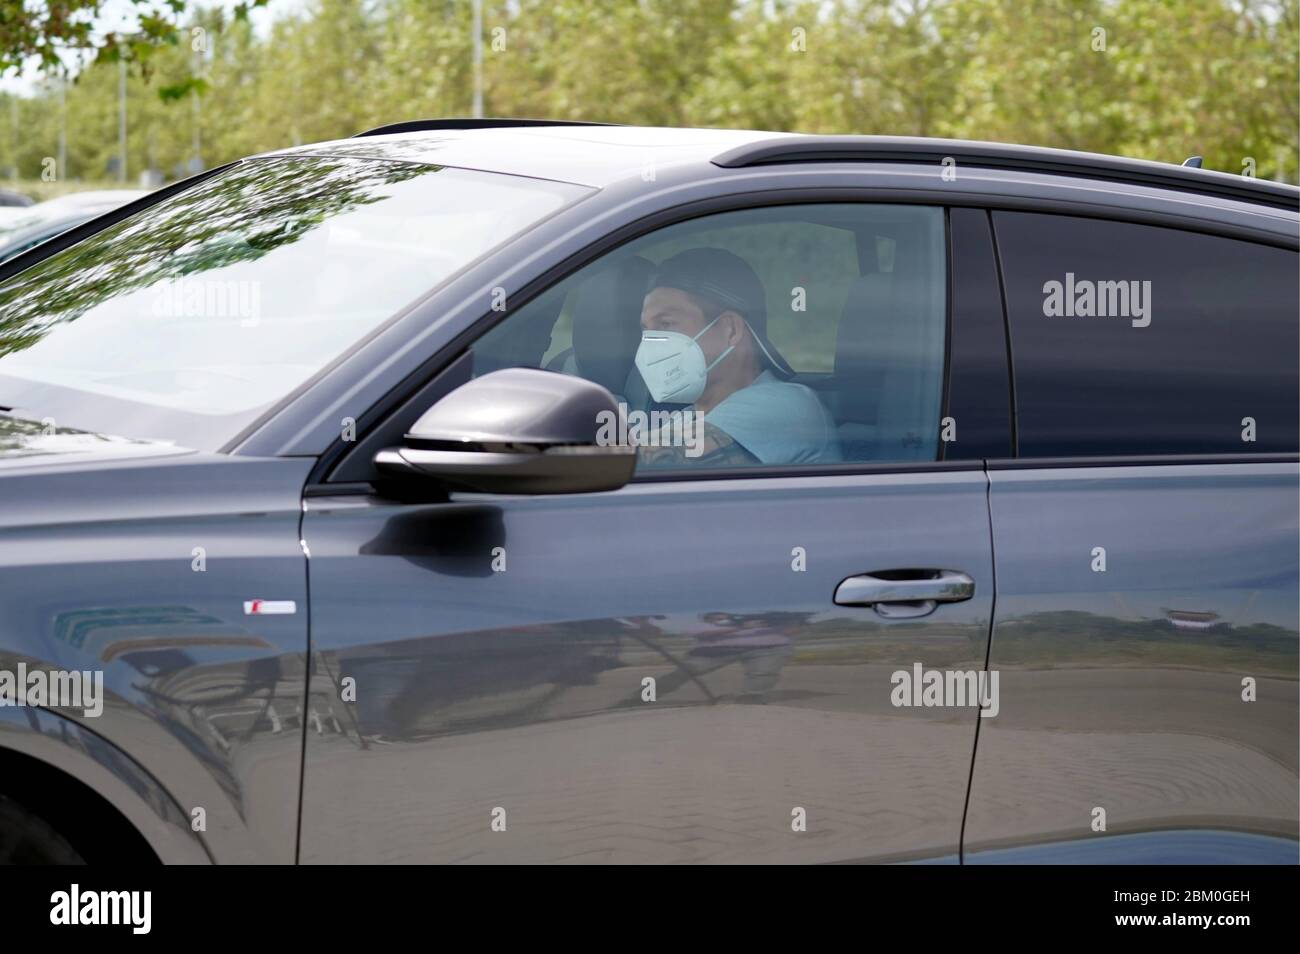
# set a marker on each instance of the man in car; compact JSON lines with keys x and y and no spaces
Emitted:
{"x":704,"y":344}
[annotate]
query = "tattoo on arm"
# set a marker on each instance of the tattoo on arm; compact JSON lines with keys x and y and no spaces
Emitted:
{"x":718,"y":449}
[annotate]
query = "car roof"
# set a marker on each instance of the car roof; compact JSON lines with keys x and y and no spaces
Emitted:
{"x":590,"y":155}
{"x":598,"y":155}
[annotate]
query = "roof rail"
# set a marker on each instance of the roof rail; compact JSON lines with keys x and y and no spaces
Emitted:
{"x":994,"y":155}
{"x":419,"y":125}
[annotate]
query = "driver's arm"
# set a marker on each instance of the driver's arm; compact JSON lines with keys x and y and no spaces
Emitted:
{"x":718,"y":450}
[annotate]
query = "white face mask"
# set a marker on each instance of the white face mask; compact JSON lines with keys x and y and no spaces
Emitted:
{"x":673,"y":365}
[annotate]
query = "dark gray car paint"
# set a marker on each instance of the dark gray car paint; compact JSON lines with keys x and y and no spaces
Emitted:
{"x":521,"y":688}
{"x":1122,"y":689}
{"x":98,"y":572}
{"x":96,"y":545}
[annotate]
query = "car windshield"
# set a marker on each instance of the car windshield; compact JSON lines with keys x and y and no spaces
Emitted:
{"x":189,"y":319}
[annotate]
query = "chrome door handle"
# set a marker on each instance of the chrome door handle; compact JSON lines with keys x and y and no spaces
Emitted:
{"x":900,"y":594}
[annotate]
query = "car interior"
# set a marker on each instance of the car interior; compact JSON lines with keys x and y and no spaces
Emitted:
{"x":882,"y":381}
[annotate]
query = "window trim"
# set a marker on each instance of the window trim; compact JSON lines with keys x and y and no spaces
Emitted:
{"x":1137,"y":460}
{"x":978,"y":320}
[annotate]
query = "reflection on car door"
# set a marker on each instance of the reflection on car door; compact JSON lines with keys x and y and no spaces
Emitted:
{"x":656,"y":674}
{"x":500,"y":649}
{"x":1145,"y":630}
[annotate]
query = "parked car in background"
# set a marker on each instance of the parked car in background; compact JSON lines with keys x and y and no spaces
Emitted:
{"x":968,"y":531}
{"x":23,"y":228}
{"x":8,"y":197}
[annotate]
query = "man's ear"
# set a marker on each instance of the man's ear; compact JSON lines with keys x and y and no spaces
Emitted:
{"x":735,"y":326}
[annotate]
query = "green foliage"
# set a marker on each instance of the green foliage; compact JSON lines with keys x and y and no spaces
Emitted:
{"x":50,"y":30}
{"x":1166,"y":79}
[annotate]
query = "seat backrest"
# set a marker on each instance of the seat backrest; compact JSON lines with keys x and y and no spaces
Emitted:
{"x":859,"y":367}
{"x":886,"y":361}
{"x":607,"y":322}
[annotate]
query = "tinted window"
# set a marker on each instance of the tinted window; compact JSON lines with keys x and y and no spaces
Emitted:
{"x":1134,"y":339}
{"x":801,"y":335}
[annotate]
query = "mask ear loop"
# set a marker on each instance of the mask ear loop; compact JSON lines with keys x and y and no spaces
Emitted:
{"x":761,"y":347}
{"x":703,"y":331}
{"x":718,"y":360}
{"x":753,"y":334}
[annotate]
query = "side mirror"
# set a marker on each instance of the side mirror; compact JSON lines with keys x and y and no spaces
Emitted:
{"x":516,"y":431}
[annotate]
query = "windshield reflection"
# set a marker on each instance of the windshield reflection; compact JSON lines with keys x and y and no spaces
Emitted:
{"x":190,"y":318}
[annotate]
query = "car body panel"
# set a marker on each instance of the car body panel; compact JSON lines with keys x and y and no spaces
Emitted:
{"x":139,"y":569}
{"x":116,"y":777}
{"x":522,"y":689}
{"x":1122,"y":688}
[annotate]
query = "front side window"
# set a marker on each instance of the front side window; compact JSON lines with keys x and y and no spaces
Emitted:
{"x":188,"y":320}
{"x":797,"y":335}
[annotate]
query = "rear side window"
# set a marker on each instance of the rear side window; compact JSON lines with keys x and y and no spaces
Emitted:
{"x":1135,"y":340}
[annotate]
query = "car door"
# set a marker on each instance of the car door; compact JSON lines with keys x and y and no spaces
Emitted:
{"x":1146,"y":541}
{"x":661,"y":673}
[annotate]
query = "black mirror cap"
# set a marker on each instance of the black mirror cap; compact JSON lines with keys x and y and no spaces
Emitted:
{"x":515,"y":431}
{"x":517,"y":406}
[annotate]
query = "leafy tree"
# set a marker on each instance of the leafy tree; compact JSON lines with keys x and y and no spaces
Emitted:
{"x":1156,"y":79}
{"x":49,"y":30}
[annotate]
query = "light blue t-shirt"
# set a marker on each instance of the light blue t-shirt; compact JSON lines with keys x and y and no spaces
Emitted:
{"x":779,"y":422}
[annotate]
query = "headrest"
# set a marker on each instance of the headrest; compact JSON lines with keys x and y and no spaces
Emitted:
{"x":859,"y":342}
{"x":607,"y":321}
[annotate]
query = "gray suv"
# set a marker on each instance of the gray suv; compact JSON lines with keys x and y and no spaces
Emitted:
{"x":508,"y":491}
